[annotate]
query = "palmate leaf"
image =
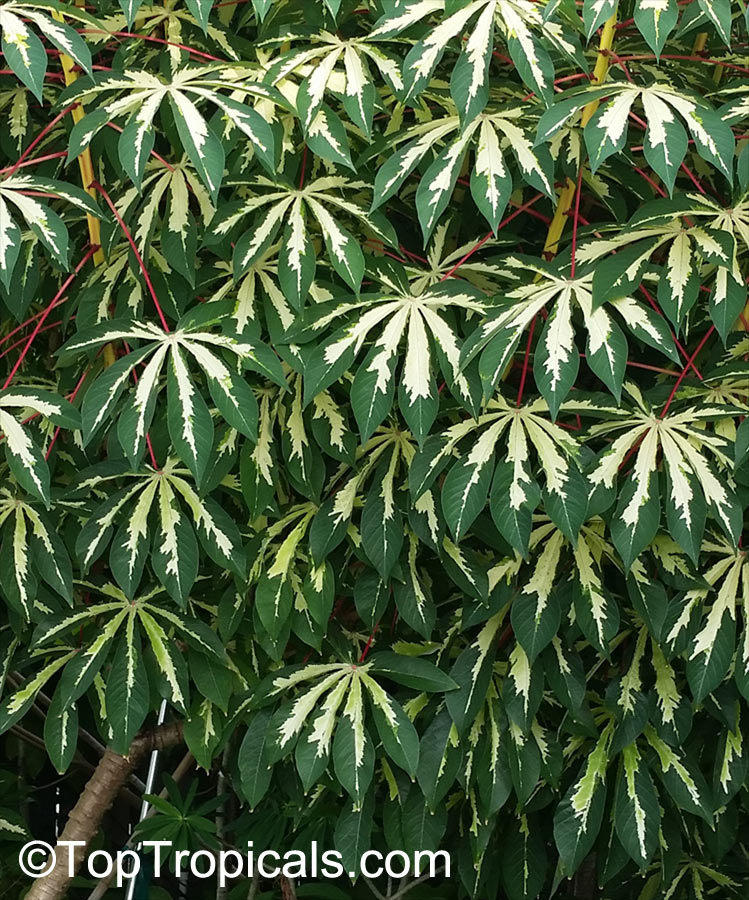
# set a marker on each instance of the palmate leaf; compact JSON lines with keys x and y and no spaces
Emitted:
{"x":556,"y":360}
{"x":691,"y":247}
{"x":521,"y":24}
{"x":140,"y":96}
{"x":160,"y":513}
{"x":190,"y":422}
{"x":491,"y":135}
{"x":169,"y":191}
{"x":328,"y":64}
{"x":176,"y":21}
{"x":397,"y":314}
{"x":441,"y":257}
{"x":291,"y":590}
{"x":466,"y":486}
{"x":383,"y":460}
{"x":665,"y":141}
{"x":344,"y":687}
{"x":282,"y":206}
{"x":259,"y":290}
{"x":693,"y":482}
{"x":135,"y":622}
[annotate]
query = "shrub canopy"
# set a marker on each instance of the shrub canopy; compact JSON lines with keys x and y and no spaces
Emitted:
{"x":374,"y":393}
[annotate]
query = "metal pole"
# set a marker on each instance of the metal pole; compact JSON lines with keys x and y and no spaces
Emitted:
{"x":150,"y":778}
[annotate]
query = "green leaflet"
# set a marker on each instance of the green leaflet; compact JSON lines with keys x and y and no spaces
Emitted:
{"x":382,"y":523}
{"x":439,"y":759}
{"x":201,"y":10}
{"x":127,"y":688}
{"x":472,"y":673}
{"x":579,"y":815}
{"x":414,"y":672}
{"x":687,"y":787}
{"x":535,"y":614}
{"x":352,"y":745}
{"x":19,"y":702}
{"x":523,"y":856}
{"x":655,"y":22}
{"x":353,"y":833}
{"x":61,"y":730}
{"x":255,"y":772}
{"x":637,"y":810}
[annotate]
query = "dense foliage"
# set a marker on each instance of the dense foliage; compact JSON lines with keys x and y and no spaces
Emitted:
{"x":374,"y":382}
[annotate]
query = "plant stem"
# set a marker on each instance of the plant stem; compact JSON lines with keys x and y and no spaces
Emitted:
{"x":98,"y":795}
{"x":85,"y":162}
{"x":86,"y":166}
{"x":564,"y":200}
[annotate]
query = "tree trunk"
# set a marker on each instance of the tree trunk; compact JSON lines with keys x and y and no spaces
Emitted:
{"x":96,"y":798}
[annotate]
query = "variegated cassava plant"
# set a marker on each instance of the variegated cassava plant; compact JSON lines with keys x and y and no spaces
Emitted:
{"x":374,"y":394}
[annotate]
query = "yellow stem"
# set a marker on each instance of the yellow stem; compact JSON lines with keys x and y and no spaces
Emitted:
{"x":699,"y":45}
{"x":86,"y":166}
{"x":85,"y":162}
{"x":567,"y":193}
{"x":602,"y":65}
{"x":556,"y":226}
{"x":699,"y":42}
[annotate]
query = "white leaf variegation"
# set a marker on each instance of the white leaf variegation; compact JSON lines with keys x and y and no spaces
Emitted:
{"x":219,"y":356}
{"x":492,"y":135}
{"x":139,"y":95}
{"x":557,"y":357}
{"x":400,"y":317}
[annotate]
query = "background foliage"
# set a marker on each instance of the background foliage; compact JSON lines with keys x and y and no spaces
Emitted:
{"x":374,"y":382}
